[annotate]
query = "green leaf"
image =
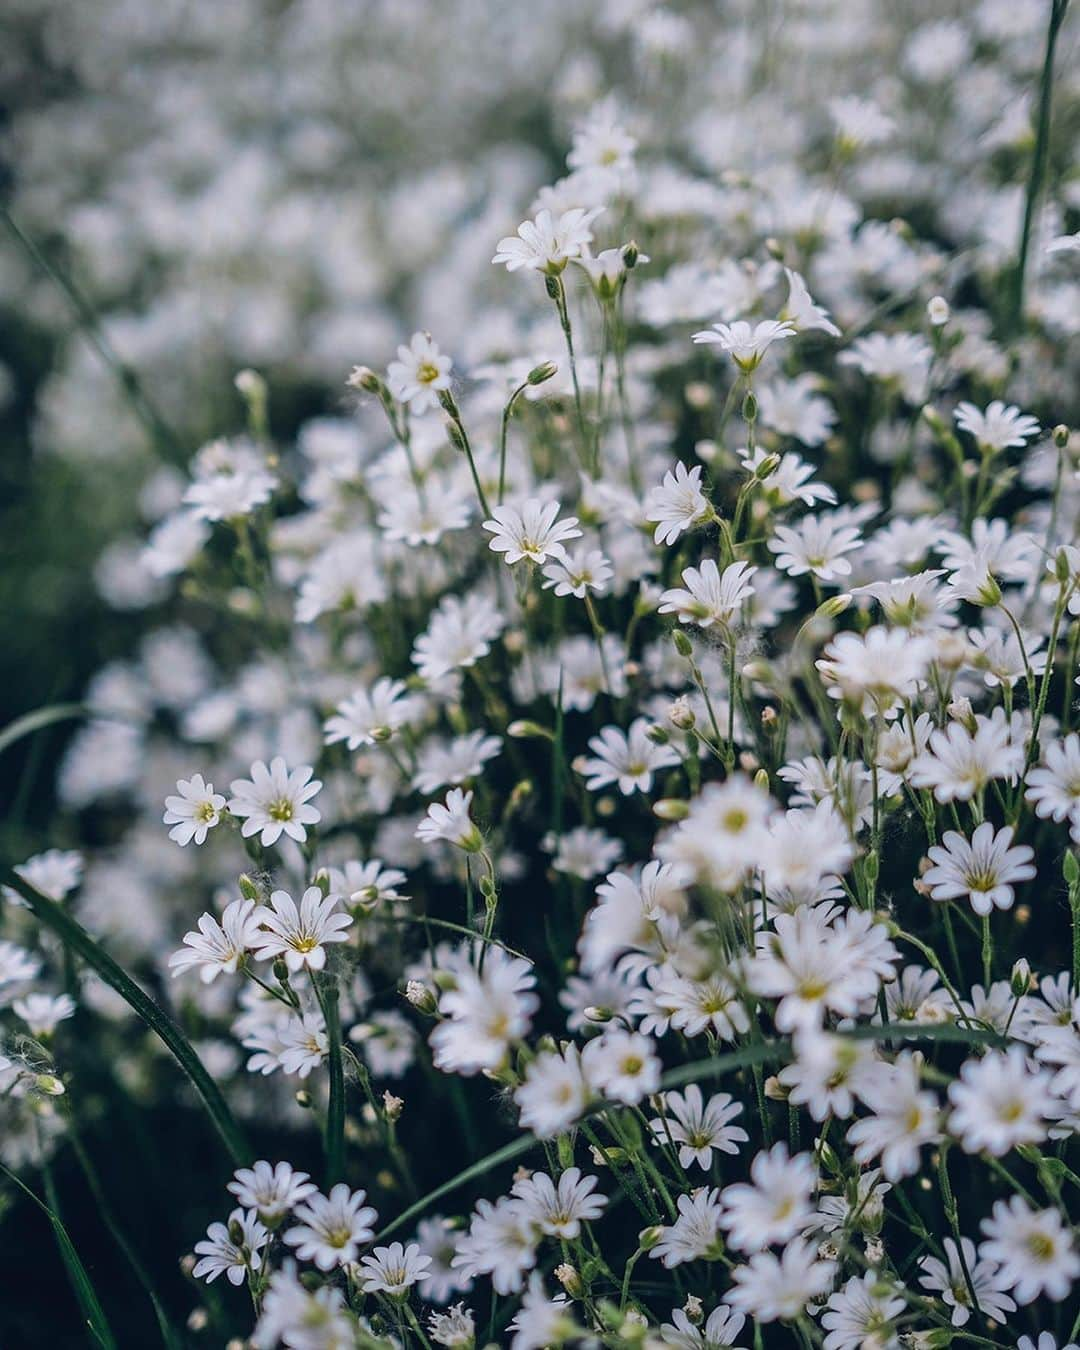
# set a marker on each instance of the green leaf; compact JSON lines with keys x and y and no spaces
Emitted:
{"x":39,"y":718}
{"x":56,"y":918}
{"x":96,"y":1321}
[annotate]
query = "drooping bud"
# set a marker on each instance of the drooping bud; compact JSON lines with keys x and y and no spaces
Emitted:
{"x":421,"y":997}
{"x":365,"y":379}
{"x":938,"y":312}
{"x":540,"y":374}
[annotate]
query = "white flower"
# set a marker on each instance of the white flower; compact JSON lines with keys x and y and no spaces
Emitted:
{"x":771,"y":1288}
{"x":500,"y":1242}
{"x":677,"y":504}
{"x":440,"y":764}
{"x":419,"y":373}
{"x":270,"y":1190}
{"x":332,"y":1228}
{"x":695,"y":1234}
{"x":393,"y":1270}
{"x":274,"y":801}
{"x":17,"y":965}
{"x":455,"y":1328}
{"x":1000,"y":427}
{"x":859,"y":121}
{"x":718,"y":1331}
{"x":55,"y":873}
{"x":623,"y":1065}
{"x":547,"y":244}
{"x":628,"y":759}
{"x":451,"y":821}
{"x":529,"y":531}
{"x":42,"y":1013}
{"x":817,"y":544}
{"x":174,"y":542}
{"x":194,"y":812}
{"x":484,"y":1014}
{"x":294,"y":1317}
{"x":698,"y":1127}
{"x":558,"y":1209}
{"x":1054,"y":787}
{"x":300,"y":935}
{"x":904,"y":1118}
{"x":577,"y":572}
{"x":801,"y":311}
{"x":232,"y":1251}
{"x":790,"y":481}
{"x":949,"y":1281}
{"x":862,"y":1313}
{"x":958,"y":764}
{"x":368,"y":716}
{"x":982,"y":871}
{"x":711,"y":596}
{"x":1034,"y":1249}
{"x":218,"y":947}
{"x":775,"y":1206}
{"x":554,"y":1093}
{"x":900,"y":359}
{"x":230,"y":496}
{"x":745,"y":345}
{"x":458,"y":635}
{"x":876,"y":671}
{"x":999,"y":1102}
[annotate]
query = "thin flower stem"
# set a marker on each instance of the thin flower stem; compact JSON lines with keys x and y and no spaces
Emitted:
{"x":506,"y":415}
{"x":557,"y":291}
{"x":326,"y":990}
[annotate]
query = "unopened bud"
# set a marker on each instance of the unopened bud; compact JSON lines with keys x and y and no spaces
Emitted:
{"x":1070,"y":869}
{"x":236,"y":1233}
{"x":834,"y":606}
{"x":594,"y":1014}
{"x":322,"y":880}
{"x":657,"y":735}
{"x":457,"y":440}
{"x":681,"y":715}
{"x":649,"y":1237}
{"x":1061,"y":435}
{"x":1020,"y":978}
{"x":960,"y":710}
{"x":768,"y":465}
{"x":749,"y":406}
{"x":775,"y":1090}
{"x":248,"y":889}
{"x":1062,"y":570}
{"x":553,"y":286}
{"x":938,"y":311}
{"x":671,"y":808}
{"x":693,"y":1308}
{"x":683,"y":645}
{"x":49,"y":1085}
{"x":524,"y":730}
{"x":198,"y":1319}
{"x":303,"y":1099}
{"x":570,"y":1280}
{"x":542,"y":373}
{"x":761,"y":780}
{"x":281,"y":970}
{"x":630,"y":255}
{"x":421,"y":997}
{"x":392,"y":1106}
{"x":364,"y":378}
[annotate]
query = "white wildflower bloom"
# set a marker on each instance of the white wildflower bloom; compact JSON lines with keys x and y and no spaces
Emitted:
{"x":455,"y":1328}
{"x":542,"y":1322}
{"x":958,"y":763}
{"x":791,"y":480}
{"x":554,"y":1093}
{"x":998,"y":427}
{"x":816,"y":545}
{"x":194,"y":812}
{"x":174,"y":543}
{"x":710,"y":596}
{"x":331,"y":1228}
{"x":860,"y":122}
{"x":775,"y":1206}
{"x":559,"y":1208}
{"x":547,"y":243}
{"x":439,"y":763}
{"x":275,"y":801}
{"x":234,"y":1250}
{"x":877,"y":671}
{"x":217,"y":947}
{"x":863,"y":1311}
{"x":272,"y":1191}
{"x":801,"y":311}
{"x":292,"y":1314}
{"x":950,"y":1283}
{"x":393,"y":1270}
{"x":531,"y":531}
{"x":898,"y":359}
{"x":627,"y":759}
{"x":501,"y":1242}
{"x":451,"y":821}
{"x":578,"y":572}
{"x":300,"y":934}
{"x":797,"y":408}
{"x":698,"y":1127}
{"x":43,"y":1013}
{"x":718,"y":1331}
{"x":772,"y":1288}
{"x":678,"y":504}
{"x":419,"y":374}
{"x":55,"y":873}
{"x":370,"y":715}
{"x":622,"y":1066}
{"x":981,"y":870}
{"x":903,"y":1118}
{"x":458,"y":635}
{"x":484,"y":1014}
{"x":746,"y":345}
{"x":696,"y":1233}
{"x":999,"y":1102}
{"x":1053,"y":787}
{"x":230,"y":496}
{"x":1033,"y":1248}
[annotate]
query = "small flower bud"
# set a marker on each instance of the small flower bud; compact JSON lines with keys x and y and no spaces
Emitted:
{"x":322,"y":880}
{"x":365,"y":379}
{"x":198,"y":1318}
{"x":834,"y":606}
{"x":1070,"y":869}
{"x":775,"y":1090}
{"x":683,"y":645}
{"x":1061,"y":435}
{"x":649,"y":1237}
{"x":594,"y":1014}
{"x":248,"y":889}
{"x":392,"y":1106}
{"x":457,"y":440}
{"x":960,"y":710}
{"x":1020,"y":978}
{"x":421,"y":997}
{"x":761,"y":780}
{"x":250,"y":384}
{"x":1062,"y":570}
{"x":524,"y":730}
{"x":938,"y":311}
{"x":570,"y":1280}
{"x":236,"y":1233}
{"x":444,"y":980}
{"x":281,"y":970}
{"x":657,"y":735}
{"x":681,"y":715}
{"x":671,"y":808}
{"x":540,"y":374}
{"x":303,"y":1099}
{"x":749,"y":407}
{"x":768,"y":465}
{"x":693,"y":1308}
{"x":552,"y":285}
{"x":49,"y":1085}
{"x":630,"y":255}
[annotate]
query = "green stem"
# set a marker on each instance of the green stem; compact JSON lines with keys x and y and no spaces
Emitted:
{"x":54,"y":917}
{"x":326,"y":990}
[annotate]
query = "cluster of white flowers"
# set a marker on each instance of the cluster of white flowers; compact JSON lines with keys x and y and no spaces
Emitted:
{"x":656,"y":684}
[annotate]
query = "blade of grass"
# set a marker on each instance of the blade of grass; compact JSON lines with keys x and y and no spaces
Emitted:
{"x":91,"y":1308}
{"x":56,"y":918}
{"x":39,"y":718}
